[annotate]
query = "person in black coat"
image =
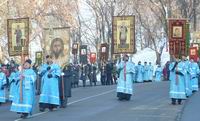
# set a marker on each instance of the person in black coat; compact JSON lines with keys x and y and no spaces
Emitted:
{"x":103,"y":73}
{"x":89,"y":74}
{"x":76,"y":75}
{"x":94,"y":74}
{"x":67,"y":77}
{"x":84,"y":74}
{"x":109,"y":69}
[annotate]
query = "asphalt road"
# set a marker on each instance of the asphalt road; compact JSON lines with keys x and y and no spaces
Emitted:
{"x":191,"y":109}
{"x":150,"y":102}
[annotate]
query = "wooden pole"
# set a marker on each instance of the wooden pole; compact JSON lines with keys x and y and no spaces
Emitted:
{"x":63,"y":86}
{"x":21,"y":80}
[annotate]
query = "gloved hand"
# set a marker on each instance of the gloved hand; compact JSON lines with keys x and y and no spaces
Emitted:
{"x":17,"y":82}
{"x":38,"y":92}
{"x":42,"y":73}
{"x":12,"y":81}
{"x":48,"y":68}
{"x":49,"y":75}
{"x":56,"y":76}
{"x":2,"y":87}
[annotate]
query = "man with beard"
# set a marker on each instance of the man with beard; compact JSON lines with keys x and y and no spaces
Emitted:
{"x":125,"y":81}
{"x":57,"y":48}
{"x":24,"y":98}
{"x":177,"y":81}
{"x":50,"y":73}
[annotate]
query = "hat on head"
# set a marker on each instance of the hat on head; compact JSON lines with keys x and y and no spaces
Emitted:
{"x":48,"y":56}
{"x":28,"y":61}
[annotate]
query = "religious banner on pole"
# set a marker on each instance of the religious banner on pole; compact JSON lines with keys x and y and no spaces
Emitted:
{"x":197,"y":45}
{"x":57,"y":44}
{"x":104,"y":51}
{"x":18,"y":36}
{"x":177,"y":37}
{"x":75,"y":48}
{"x":123,"y":34}
{"x":83,"y":54}
{"x":92,"y":57}
{"x":187,"y":37}
{"x":193,"y":53}
{"x":38,"y":57}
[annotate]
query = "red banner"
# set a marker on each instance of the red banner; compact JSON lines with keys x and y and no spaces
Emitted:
{"x":177,"y":37}
{"x":92,"y":57}
{"x":75,"y":48}
{"x":194,"y":53}
{"x":104,"y":52}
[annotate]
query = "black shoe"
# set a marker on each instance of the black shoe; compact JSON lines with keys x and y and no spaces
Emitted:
{"x":42,"y":109}
{"x":173,"y":103}
{"x":128,"y":98}
{"x":120,"y":98}
{"x":63,"y":106}
{"x":51,"y":109}
{"x":24,"y":115}
{"x":179,"y":101}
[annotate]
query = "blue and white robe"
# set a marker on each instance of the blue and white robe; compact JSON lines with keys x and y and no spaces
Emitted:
{"x":146,"y":74}
{"x":177,"y":81}
{"x":49,"y":87}
{"x":150,"y":72}
{"x":158,"y":74}
{"x":139,"y":72}
{"x":25,"y":105}
{"x":13,"y":87}
{"x":2,"y":91}
{"x":125,"y":80}
{"x":194,"y":71}
{"x":188,"y":84}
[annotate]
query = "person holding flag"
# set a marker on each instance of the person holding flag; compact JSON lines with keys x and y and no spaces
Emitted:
{"x":125,"y":81}
{"x":177,"y":81}
{"x":50,"y":74}
{"x":12,"y":81}
{"x":24,"y":97}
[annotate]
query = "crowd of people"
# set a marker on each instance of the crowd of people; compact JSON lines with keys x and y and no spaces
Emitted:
{"x":53,"y":83}
{"x":183,"y":76}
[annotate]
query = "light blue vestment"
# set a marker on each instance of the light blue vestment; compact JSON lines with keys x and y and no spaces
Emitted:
{"x":177,"y":81}
{"x":25,"y":105}
{"x":49,"y":87}
{"x":125,"y":80}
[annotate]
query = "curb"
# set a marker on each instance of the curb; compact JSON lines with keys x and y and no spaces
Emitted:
{"x":179,"y":116}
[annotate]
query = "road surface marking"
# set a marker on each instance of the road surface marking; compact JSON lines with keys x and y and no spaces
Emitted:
{"x":80,"y":100}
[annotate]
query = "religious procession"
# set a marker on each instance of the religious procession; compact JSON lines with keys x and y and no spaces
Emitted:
{"x":100,"y":60}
